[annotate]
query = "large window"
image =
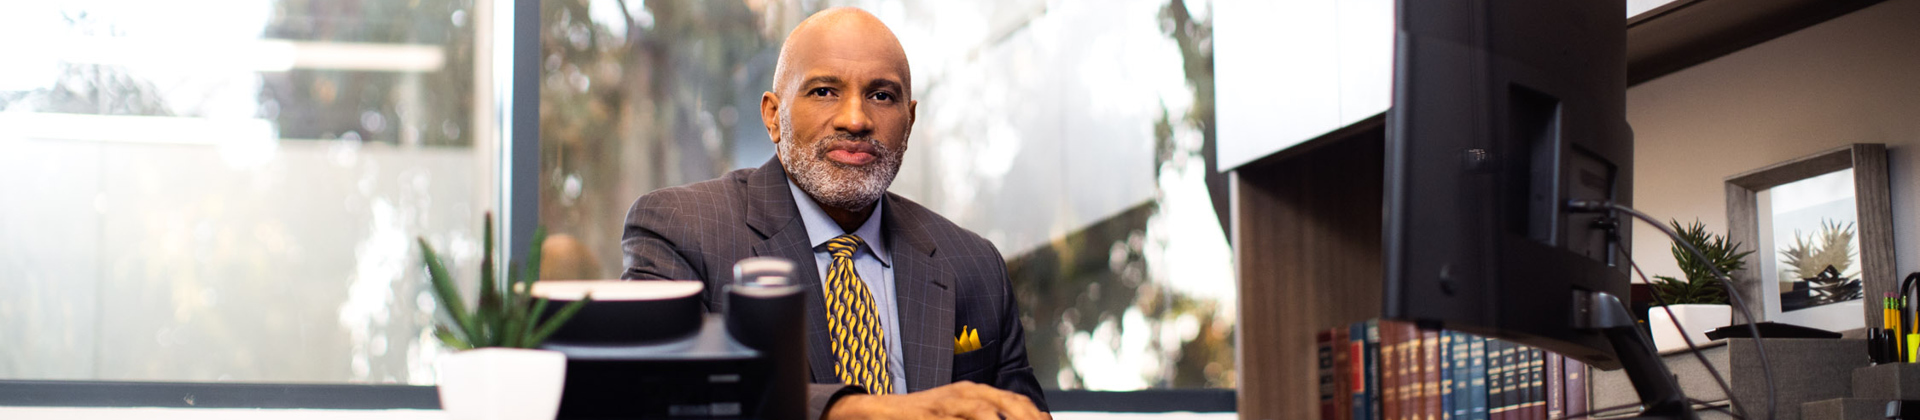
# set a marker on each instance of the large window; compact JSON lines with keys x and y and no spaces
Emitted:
{"x":229,"y":190}
{"x":1068,"y":133}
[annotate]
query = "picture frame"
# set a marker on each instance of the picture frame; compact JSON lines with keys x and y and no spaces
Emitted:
{"x":1750,"y":222}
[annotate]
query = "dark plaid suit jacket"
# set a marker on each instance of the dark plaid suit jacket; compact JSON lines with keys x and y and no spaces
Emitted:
{"x":946,"y":276}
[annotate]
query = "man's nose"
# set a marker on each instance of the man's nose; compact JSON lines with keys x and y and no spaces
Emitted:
{"x":852,"y":117}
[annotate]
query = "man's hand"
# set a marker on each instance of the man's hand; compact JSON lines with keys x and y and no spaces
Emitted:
{"x":959,"y":400}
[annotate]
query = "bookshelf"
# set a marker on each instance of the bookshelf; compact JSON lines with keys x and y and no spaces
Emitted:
{"x":1307,"y":240}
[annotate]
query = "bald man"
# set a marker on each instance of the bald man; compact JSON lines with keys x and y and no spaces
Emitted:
{"x":909,"y":315}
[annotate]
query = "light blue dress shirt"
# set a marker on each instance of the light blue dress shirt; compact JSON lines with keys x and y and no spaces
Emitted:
{"x":873,"y":263}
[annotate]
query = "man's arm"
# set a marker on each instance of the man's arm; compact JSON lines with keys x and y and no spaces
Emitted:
{"x":963,"y":400}
{"x":1015,"y":375}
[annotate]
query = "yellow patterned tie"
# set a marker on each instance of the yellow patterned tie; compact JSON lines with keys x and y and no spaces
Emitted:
{"x":858,"y":340}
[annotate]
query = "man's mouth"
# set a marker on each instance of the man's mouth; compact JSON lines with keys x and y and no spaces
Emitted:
{"x":853,"y":153}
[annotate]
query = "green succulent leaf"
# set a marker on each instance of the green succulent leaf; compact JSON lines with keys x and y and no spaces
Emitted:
{"x":447,"y":338}
{"x":560,"y":318}
{"x":445,"y":292}
{"x":506,"y":314}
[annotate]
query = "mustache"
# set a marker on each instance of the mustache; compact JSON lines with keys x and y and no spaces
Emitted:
{"x":839,"y":140}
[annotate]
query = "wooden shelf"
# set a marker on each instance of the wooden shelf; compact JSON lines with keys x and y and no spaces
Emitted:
{"x":1307,"y":234}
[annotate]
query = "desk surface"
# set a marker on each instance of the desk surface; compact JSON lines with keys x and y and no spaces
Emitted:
{"x":71,"y":413}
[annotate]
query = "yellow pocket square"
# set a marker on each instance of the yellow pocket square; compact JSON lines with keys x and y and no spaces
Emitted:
{"x":969,"y":340}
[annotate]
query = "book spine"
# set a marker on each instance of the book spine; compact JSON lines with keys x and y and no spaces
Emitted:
{"x":1430,"y":407}
{"x":1477,"y":377}
{"x":1342,"y":376}
{"x":1462,"y":403}
{"x":1503,"y":402}
{"x":1446,"y":375}
{"x":1324,"y":344}
{"x":1390,"y":370}
{"x":1373,"y":371}
{"x":1577,"y":403}
{"x":1556,"y":388}
{"x":1357,"y":359}
{"x":1536,"y":402}
{"x":1521,"y":394}
{"x":1416,"y":403}
{"x":1412,"y":399}
{"x":1523,"y":383}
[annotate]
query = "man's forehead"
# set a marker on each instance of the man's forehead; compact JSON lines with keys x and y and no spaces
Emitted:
{"x":851,"y":70}
{"x":847,"y":43}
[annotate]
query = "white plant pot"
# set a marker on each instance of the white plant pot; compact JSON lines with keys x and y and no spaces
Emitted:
{"x":501,"y":384}
{"x":1697,"y":319}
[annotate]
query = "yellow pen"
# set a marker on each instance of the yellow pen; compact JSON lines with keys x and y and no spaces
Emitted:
{"x":1886,"y":308}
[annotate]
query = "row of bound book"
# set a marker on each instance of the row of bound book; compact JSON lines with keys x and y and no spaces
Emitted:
{"x":1388,"y":370}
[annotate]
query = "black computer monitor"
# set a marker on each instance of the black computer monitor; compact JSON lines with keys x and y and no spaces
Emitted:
{"x":1503,"y":111}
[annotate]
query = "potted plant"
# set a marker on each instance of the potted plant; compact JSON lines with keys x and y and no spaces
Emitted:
{"x":496,"y":372}
{"x":1699,"y":302}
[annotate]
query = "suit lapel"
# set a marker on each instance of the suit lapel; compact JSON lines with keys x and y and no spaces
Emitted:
{"x":772,"y":213}
{"x":925,"y":302}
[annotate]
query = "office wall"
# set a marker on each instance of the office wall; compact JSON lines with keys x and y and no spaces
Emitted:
{"x":1849,"y":80}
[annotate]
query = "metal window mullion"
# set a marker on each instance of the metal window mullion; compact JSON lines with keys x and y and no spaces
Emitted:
{"x":517,"y":71}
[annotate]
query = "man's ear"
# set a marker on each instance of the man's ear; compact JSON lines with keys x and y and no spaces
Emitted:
{"x":770,"y":115}
{"x":913,"y":113}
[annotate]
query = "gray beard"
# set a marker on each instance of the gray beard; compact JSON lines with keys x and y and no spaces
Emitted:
{"x":850,"y":188}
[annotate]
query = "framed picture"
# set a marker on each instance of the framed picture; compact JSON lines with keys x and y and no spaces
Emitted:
{"x":1822,"y":228}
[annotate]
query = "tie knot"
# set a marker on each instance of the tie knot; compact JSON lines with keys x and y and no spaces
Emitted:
{"x":843,"y":246}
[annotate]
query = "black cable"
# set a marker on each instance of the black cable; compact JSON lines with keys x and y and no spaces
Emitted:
{"x":1766,"y":368}
{"x":1691,"y":348}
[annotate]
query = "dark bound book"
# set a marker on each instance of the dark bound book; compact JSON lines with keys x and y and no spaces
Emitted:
{"x":1512,"y":376}
{"x":1410,"y":362}
{"x":1556,"y":387}
{"x":1373,"y":373}
{"x":1446,"y":375}
{"x":1461,"y":400}
{"x":1324,"y":346}
{"x":1390,"y":370}
{"x":1535,"y":407}
{"x":1496,"y":379}
{"x":1477,"y":378}
{"x":1342,"y":376}
{"x":1430,"y":408}
{"x":1577,"y":402}
{"x":1357,"y":383}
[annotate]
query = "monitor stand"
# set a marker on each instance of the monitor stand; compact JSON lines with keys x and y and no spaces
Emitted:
{"x":1659,"y":394}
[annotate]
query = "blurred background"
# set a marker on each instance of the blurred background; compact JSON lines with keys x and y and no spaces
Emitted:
{"x":228,"y":190}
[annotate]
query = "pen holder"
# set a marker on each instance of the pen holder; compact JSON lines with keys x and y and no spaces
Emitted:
{"x":1891,"y":381}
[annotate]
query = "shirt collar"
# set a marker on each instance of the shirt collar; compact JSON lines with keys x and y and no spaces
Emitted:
{"x":821,"y":228}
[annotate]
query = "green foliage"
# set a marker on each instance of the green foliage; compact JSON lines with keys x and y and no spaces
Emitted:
{"x":1678,"y":292}
{"x":507,"y":314}
{"x":1700,"y":285}
{"x":1811,"y":254}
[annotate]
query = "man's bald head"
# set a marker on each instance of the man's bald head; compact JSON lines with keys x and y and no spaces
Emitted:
{"x":840,"y":33}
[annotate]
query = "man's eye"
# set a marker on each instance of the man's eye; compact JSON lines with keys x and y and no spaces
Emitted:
{"x":883,"y":96}
{"x":820,"y":92}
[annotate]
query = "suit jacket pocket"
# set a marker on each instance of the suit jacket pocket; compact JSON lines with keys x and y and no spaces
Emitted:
{"x":976,"y":365}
